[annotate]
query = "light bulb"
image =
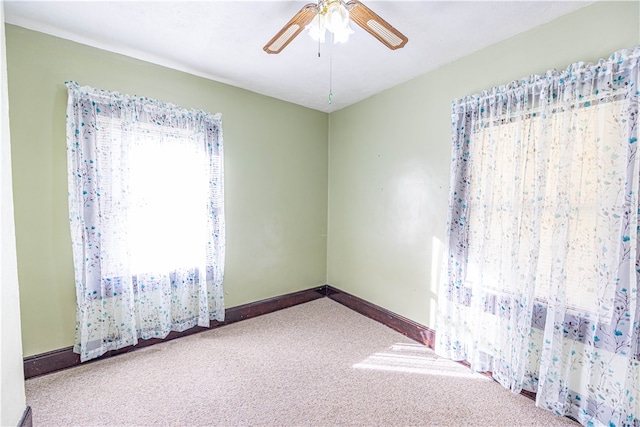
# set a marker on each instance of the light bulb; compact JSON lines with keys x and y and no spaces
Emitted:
{"x":317,"y":28}
{"x":335,"y":18}
{"x":342,"y":35}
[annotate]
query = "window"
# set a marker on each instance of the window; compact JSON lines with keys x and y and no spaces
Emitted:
{"x":146,"y":205}
{"x":569,"y":212}
{"x":166,"y":192}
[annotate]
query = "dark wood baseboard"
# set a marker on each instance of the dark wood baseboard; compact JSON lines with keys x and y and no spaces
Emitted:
{"x":258,"y":308}
{"x":409,"y":328}
{"x":27,"y":418}
{"x":64,"y":358}
{"x":51,"y":361}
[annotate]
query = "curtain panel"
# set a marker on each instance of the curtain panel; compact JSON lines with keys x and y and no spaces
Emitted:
{"x":146,"y":206}
{"x":542,"y":262}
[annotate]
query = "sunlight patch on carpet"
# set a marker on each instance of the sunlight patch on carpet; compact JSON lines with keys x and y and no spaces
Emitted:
{"x":416,"y":359}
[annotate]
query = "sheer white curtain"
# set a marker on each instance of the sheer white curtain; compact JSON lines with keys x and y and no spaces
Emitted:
{"x":542,"y":260}
{"x":146,"y":204}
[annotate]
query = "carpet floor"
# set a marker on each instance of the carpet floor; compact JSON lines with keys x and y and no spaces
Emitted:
{"x":315,"y":364}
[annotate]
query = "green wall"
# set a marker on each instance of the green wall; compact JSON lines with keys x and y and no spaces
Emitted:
{"x":390,"y":156}
{"x":275,"y":178}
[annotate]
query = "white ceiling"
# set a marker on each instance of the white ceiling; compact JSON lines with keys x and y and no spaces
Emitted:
{"x":223,"y":40}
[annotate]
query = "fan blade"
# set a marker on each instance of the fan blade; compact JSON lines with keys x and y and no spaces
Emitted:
{"x":292,"y":28}
{"x":376,"y":26}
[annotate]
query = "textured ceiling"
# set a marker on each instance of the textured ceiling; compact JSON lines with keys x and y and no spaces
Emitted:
{"x":223,"y":40}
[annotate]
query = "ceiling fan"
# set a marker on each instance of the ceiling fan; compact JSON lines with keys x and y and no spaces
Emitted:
{"x":334,"y":16}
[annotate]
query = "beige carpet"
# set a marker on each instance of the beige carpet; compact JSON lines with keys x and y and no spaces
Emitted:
{"x":317,"y":364}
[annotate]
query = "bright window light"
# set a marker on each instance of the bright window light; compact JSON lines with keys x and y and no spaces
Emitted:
{"x":416,"y":359}
{"x":160,"y":191}
{"x":168,"y":187}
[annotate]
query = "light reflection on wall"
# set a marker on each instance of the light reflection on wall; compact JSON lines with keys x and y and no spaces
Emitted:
{"x":409,"y":204}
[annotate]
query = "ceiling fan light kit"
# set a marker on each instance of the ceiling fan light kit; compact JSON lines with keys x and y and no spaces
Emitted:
{"x":334,"y":16}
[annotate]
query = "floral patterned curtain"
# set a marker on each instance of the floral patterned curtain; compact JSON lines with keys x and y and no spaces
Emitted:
{"x":542,"y":257}
{"x":146,"y":206}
